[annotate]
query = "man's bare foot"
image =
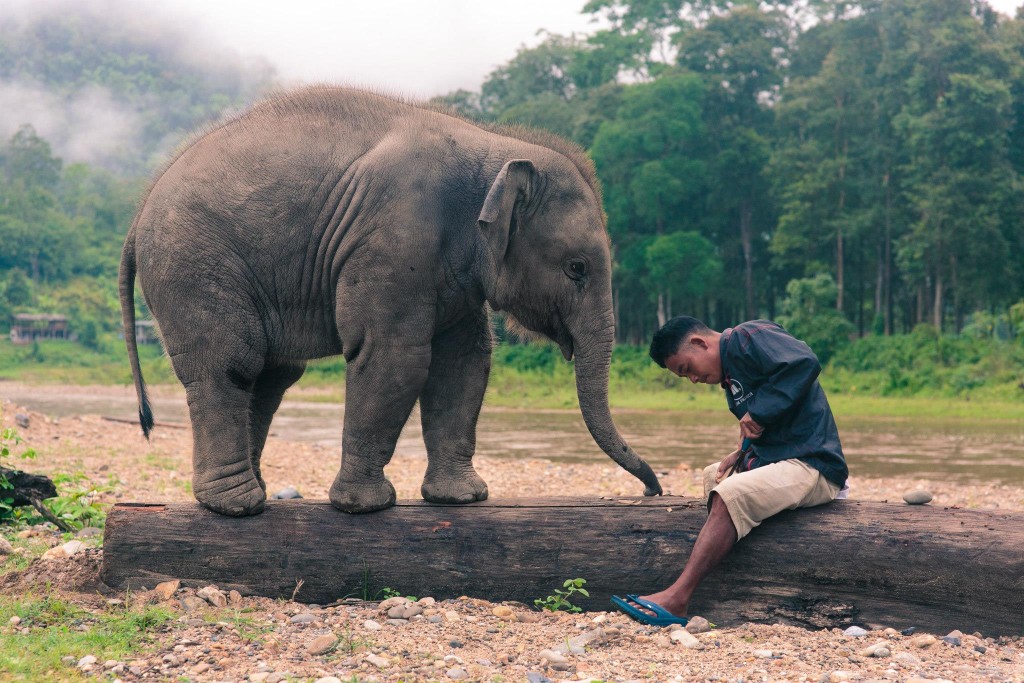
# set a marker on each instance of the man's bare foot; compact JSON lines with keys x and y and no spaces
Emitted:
{"x":665,"y":600}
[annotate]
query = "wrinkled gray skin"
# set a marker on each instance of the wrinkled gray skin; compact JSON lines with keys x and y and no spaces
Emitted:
{"x":334,"y":221}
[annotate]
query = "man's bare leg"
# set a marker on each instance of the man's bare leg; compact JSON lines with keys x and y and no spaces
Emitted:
{"x":715,"y":540}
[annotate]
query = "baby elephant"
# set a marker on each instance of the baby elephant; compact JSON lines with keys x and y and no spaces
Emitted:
{"x":335,"y":221}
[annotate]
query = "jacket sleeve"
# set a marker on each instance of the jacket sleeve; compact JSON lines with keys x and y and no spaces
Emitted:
{"x":788,"y":368}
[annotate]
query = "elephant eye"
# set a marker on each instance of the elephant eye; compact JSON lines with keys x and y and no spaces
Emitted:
{"x":576,"y":269}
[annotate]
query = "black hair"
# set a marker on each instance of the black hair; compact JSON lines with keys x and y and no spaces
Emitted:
{"x":666,"y":341}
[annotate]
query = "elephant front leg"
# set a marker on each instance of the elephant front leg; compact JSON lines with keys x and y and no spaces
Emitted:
{"x":449,"y":407}
{"x":381,"y":387}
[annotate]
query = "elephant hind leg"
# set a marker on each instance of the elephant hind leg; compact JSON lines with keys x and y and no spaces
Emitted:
{"x":267,"y":392}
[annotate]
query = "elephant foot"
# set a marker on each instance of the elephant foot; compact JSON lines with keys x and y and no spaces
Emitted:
{"x":358,"y":496}
{"x":463,"y":487}
{"x":235,"y":496}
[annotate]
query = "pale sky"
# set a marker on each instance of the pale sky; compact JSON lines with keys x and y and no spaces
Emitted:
{"x":418,"y":48}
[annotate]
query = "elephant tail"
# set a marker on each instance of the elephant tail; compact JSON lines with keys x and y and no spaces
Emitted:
{"x":126,"y":284}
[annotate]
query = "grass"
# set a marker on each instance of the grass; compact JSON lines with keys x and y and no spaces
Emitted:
{"x":879,"y":378}
{"x":58,"y":628}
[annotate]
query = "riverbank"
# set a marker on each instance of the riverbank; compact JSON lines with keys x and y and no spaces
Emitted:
{"x":62,"y":612}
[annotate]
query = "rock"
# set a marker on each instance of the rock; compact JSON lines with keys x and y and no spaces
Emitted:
{"x":201,"y":668}
{"x":484,"y":662}
{"x":435,"y":619}
{"x":909,"y":631}
{"x":323,"y":644}
{"x":452,"y":615}
{"x":534,"y":677}
{"x":763,"y":654}
{"x":371,"y":625}
{"x":72,"y":548}
{"x":455,"y":643}
{"x":259,"y":677}
{"x":89,"y":532}
{"x":840,"y":676}
{"x":15,"y":620}
{"x":855,"y":631}
{"x":378,"y":661}
{"x":287,"y":493}
{"x":426,"y":602}
{"x":686,"y":639}
{"x":165,"y":590}
{"x":85,"y":661}
{"x":504,"y":612}
{"x":22,"y":420}
{"x":924,"y":640}
{"x":550,"y":657}
{"x":5,"y":546}
{"x":328,"y":679}
{"x":890,"y":633}
{"x":397,"y":611}
{"x":397,"y":622}
{"x":952,"y":640}
{"x":191,"y":603}
{"x":213,"y":595}
{"x":55,"y":553}
{"x":905,"y":659}
{"x":698,"y":625}
{"x":527,"y":617}
{"x":412,"y":610}
{"x":235,"y":599}
{"x":303,"y":618}
{"x":456,"y":673}
{"x":279,"y":677}
{"x":917,"y":497}
{"x":880,"y":649}
{"x":386,"y":605}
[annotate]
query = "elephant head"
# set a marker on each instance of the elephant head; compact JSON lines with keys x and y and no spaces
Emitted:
{"x":548,"y":264}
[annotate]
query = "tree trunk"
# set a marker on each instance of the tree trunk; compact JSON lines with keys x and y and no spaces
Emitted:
{"x":747,"y":239}
{"x":872,"y":564}
{"x":662,"y":318}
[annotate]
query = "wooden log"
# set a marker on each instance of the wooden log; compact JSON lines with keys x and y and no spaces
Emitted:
{"x":871,"y":564}
{"x":26,"y":488}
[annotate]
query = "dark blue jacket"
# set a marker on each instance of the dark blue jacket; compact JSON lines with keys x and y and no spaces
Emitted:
{"x":774,"y":377}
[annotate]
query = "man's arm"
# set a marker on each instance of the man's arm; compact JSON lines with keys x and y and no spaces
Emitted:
{"x":788,"y":368}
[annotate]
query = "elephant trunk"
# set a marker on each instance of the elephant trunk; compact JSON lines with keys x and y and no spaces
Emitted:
{"x":593,"y":353}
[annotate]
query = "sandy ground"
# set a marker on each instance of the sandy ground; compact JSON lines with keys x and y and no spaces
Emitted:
{"x":470,"y":638}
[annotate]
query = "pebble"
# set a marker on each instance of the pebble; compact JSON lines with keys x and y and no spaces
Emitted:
{"x":452,"y":615}
{"x":763,"y":654}
{"x":663,"y":642}
{"x":323,"y":644}
{"x":534,"y":677}
{"x":166,"y":589}
{"x":397,"y":611}
{"x":303,"y":618}
{"x":503,"y":612}
{"x":386,"y":605}
{"x":89,"y":532}
{"x":435,"y":619}
{"x":917,"y":497}
{"x":55,"y":553}
{"x":328,"y":679}
{"x":455,"y":643}
{"x":855,"y":631}
{"x":15,"y":620}
{"x":412,"y":610}
{"x":686,"y":639}
{"x":5,"y":546}
{"x":456,"y":673}
{"x":877,"y":650}
{"x":371,"y":625}
{"x":85,"y":661}
{"x":952,"y":640}
{"x":234,"y":599}
{"x":698,"y":625}
{"x":259,"y":677}
{"x":527,"y":617}
{"x":201,"y":668}
{"x":378,"y":661}
{"x":22,"y":420}
{"x":925,"y":640}
{"x":906,"y":659}
{"x":191,"y":603}
{"x":397,"y":622}
{"x":213,"y":595}
{"x":287,"y":493}
{"x":552,"y":658}
{"x":840,"y":676}
{"x":909,"y":631}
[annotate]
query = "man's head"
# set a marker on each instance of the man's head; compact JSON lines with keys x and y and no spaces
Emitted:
{"x":688,"y":348}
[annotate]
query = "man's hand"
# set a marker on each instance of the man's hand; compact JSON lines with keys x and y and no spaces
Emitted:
{"x":728,"y":462}
{"x":749,"y":429}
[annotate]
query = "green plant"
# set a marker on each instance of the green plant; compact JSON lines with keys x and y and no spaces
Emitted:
{"x":561,"y":598}
{"x":78,"y":505}
{"x":8,"y":440}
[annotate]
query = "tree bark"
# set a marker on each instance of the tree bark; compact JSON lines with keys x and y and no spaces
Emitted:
{"x":871,"y":564}
{"x":747,"y":239}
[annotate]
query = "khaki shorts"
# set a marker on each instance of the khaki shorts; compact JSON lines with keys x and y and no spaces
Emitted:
{"x":753,"y":496}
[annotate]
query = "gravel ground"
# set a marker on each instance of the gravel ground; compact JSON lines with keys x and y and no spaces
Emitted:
{"x":471,"y":639}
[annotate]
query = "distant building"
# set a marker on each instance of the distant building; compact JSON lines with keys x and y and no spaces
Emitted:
{"x":145,"y":332}
{"x":29,"y":327}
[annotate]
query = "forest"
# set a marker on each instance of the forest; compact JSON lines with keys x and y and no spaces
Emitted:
{"x":851,"y":169}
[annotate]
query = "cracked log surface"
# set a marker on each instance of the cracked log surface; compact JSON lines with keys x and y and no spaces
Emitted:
{"x":850,"y":562}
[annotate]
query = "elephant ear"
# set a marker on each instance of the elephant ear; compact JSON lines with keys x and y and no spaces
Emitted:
{"x":497,"y":217}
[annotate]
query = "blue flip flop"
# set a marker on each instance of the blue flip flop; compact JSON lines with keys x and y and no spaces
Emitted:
{"x":661,"y":616}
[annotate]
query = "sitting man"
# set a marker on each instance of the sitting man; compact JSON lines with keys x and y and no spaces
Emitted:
{"x":789,"y":457}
